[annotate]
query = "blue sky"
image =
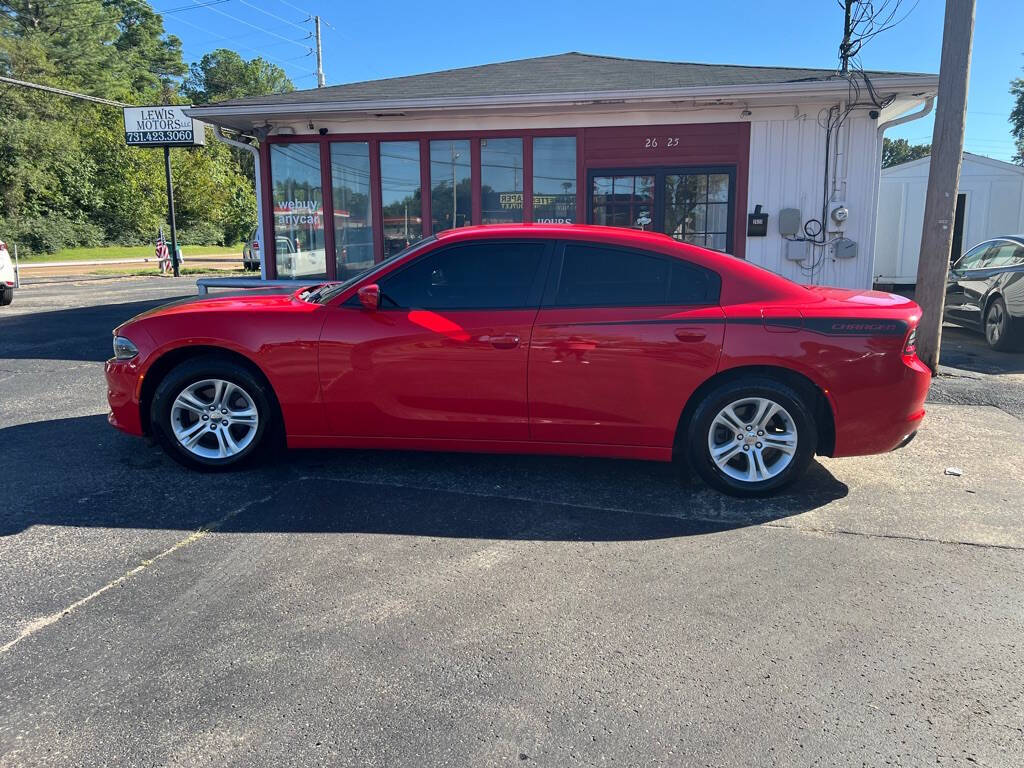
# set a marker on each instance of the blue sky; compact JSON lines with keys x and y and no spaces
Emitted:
{"x":369,"y":40}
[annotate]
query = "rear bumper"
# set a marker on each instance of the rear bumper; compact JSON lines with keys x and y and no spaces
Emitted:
{"x":885,"y":417}
{"x":124,"y":381}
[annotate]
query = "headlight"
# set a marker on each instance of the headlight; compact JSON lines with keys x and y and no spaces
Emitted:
{"x":124,"y":349}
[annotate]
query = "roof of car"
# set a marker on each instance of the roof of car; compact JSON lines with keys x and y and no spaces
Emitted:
{"x":571,"y":72}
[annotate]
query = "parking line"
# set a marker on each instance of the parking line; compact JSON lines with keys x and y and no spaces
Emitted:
{"x":36,"y":625}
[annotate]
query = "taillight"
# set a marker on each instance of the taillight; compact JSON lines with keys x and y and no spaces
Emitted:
{"x":910,"y":345}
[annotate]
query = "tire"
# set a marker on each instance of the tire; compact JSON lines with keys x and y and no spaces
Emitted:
{"x":6,"y":295}
{"x":181,"y":414}
{"x":999,"y":331}
{"x":786,"y":418}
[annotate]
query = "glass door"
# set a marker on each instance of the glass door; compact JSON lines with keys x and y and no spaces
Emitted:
{"x":696,"y":208}
{"x":695,"y":205}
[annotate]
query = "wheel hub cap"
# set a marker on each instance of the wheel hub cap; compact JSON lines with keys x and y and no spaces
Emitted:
{"x":752,"y":439}
{"x":214,"y":419}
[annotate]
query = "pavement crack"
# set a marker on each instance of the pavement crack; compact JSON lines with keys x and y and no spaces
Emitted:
{"x":42,"y":622}
{"x":895,"y":536}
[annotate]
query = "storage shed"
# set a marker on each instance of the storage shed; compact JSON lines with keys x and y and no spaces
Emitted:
{"x":990,"y":202}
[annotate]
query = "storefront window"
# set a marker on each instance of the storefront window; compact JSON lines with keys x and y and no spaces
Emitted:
{"x":350,"y":192}
{"x":401,"y":194}
{"x":451,"y":194}
{"x":501,"y":180}
{"x":554,"y":180}
{"x":298,"y":210}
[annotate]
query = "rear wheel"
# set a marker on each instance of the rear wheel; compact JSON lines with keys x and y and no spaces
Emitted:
{"x":6,"y":295}
{"x":998,"y":328}
{"x":212,"y":413}
{"x":752,"y":436}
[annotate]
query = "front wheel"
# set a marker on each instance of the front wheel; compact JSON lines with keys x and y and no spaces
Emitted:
{"x":752,"y":436}
{"x":212,"y":413}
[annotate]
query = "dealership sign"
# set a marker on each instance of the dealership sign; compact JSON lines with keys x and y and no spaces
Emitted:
{"x":162,"y":126}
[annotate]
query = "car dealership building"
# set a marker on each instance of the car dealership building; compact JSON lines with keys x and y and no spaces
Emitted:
{"x":773,"y":164}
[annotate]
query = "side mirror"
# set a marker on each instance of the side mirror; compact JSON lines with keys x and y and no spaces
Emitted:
{"x":369,"y":297}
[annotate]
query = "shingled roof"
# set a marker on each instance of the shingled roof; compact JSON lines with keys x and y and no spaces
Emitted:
{"x":562,"y":73}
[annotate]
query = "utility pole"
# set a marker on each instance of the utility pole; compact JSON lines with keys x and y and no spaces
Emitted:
{"x":320,"y":82}
{"x":844,"y":47}
{"x":943,"y":176}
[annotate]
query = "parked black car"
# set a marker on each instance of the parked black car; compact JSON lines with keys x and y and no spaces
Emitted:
{"x":985,"y":291}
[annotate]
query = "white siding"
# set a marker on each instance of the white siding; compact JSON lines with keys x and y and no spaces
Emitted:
{"x":787,"y":166}
{"x":995,"y":206}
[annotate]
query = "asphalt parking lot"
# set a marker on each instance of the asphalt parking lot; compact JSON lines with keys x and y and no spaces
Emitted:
{"x":380,"y":609}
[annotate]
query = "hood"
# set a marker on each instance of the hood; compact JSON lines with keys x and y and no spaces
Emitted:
{"x":249,"y":300}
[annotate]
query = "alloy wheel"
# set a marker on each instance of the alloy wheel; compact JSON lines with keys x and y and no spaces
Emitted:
{"x":752,"y":439}
{"x":994,"y":323}
{"x":214,"y":419}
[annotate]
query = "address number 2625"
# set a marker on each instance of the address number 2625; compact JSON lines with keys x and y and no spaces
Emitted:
{"x":651,"y":142}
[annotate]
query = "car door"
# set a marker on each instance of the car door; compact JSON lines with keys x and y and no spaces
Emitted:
{"x":622,"y":340}
{"x":445,"y":355}
{"x":963,"y":284}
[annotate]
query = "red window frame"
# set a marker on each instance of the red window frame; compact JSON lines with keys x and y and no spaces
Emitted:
{"x":424,"y":139}
{"x":693,"y":144}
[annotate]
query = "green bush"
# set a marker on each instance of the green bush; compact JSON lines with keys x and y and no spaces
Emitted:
{"x":48,"y":234}
{"x":200,"y":233}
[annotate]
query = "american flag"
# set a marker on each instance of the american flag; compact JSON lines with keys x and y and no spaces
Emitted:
{"x":163,"y":253}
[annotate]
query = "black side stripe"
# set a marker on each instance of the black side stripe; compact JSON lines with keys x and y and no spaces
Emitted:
{"x":825,"y":326}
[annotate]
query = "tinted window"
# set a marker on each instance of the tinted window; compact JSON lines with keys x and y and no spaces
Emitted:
{"x":480,"y":276}
{"x":972,"y":259}
{"x":606,"y":277}
{"x":1001,"y":255}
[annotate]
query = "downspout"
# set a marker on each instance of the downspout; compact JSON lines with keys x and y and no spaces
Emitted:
{"x":923,"y":112}
{"x":259,"y":193}
{"x":926,"y":108}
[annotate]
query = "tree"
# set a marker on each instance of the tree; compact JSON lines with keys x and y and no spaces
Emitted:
{"x":66,"y":176}
{"x":223,"y":74}
{"x":1017,"y":118}
{"x":897,"y":151}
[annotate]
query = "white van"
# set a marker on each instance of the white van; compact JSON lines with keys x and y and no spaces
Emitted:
{"x":6,"y":276}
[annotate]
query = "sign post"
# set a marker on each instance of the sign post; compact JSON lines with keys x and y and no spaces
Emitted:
{"x":170,"y":211}
{"x":164,"y":126}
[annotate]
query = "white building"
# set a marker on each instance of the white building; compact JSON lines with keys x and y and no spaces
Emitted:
{"x":686,"y":149}
{"x":990,"y":202}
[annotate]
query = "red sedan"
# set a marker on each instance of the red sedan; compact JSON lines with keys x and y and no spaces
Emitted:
{"x":551,"y":339}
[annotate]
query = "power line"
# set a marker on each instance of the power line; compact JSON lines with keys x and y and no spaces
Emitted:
{"x":219,"y":36}
{"x":295,"y":7}
{"x":190,"y":7}
{"x":249,"y":24}
{"x":62,"y":92}
{"x":273,"y":15}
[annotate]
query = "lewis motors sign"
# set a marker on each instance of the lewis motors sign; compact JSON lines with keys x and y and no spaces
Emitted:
{"x":166,"y":126}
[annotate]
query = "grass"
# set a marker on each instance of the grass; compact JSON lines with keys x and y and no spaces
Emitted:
{"x":184,"y":271}
{"x":105,"y":252}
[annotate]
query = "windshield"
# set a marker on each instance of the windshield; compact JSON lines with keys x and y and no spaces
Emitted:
{"x":323,"y":293}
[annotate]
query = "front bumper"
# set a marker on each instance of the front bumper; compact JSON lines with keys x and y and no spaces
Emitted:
{"x":124,"y":384}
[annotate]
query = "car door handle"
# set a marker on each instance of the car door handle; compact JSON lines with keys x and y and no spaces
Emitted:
{"x":505,"y":342}
{"x":690,"y":334}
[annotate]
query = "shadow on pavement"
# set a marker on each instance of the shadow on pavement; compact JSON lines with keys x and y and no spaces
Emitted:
{"x":80,"y":333}
{"x":969,"y":351}
{"x":80,"y":472}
